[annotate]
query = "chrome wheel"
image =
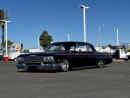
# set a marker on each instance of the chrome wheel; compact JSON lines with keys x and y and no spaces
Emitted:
{"x":65,"y":65}
{"x":100,"y":63}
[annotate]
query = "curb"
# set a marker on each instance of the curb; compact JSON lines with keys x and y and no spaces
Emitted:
{"x":119,"y":60}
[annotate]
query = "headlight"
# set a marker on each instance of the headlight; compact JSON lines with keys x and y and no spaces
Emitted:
{"x":49,"y":59}
{"x":20,"y":59}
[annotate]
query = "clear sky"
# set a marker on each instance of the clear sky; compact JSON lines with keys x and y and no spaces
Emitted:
{"x":60,"y":17}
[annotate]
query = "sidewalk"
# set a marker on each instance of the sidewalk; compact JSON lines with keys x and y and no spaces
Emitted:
{"x":119,"y":60}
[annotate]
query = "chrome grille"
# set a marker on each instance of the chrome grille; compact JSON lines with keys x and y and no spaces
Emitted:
{"x":32,"y":64}
{"x":33,"y":59}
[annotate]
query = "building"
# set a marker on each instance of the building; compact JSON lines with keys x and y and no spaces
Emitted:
{"x":126,"y":46}
{"x":16,"y":47}
{"x":106,"y":49}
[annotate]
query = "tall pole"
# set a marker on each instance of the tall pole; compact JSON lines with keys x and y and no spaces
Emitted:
{"x":68,"y":37}
{"x":99,"y":37}
{"x":84,"y":20}
{"x":38,"y":43}
{"x":117,"y":37}
{"x":6,"y":39}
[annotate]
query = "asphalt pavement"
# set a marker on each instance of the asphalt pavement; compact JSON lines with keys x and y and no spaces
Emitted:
{"x":111,"y":81}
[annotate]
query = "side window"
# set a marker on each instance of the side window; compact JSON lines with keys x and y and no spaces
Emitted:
{"x":83,"y":48}
{"x":72,"y":48}
{"x":88,"y":48}
{"x":60,"y":48}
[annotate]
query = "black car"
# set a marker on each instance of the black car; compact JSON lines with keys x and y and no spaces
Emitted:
{"x":64,"y":56}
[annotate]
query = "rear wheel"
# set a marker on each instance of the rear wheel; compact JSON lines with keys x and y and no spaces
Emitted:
{"x":100,"y":63}
{"x":65,"y":65}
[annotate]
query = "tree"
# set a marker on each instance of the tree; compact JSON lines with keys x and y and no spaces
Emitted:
{"x":110,"y":46}
{"x":3,"y":16}
{"x":8,"y":42}
{"x":128,"y":50}
{"x":45,"y":39}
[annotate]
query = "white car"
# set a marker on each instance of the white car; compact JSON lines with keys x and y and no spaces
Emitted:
{"x":13,"y":55}
{"x":120,"y":54}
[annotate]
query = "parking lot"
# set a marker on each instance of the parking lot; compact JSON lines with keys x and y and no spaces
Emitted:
{"x":112,"y":81}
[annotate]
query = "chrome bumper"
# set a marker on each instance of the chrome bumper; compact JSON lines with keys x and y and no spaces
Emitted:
{"x":41,"y":66}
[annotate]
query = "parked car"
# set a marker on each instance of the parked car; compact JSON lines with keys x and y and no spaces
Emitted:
{"x":128,"y":55}
{"x":120,"y":54}
{"x":64,"y":56}
{"x":13,"y":55}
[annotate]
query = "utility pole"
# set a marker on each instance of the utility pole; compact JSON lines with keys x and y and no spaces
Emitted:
{"x":68,"y":37}
{"x":99,"y":37}
{"x":84,"y":20}
{"x":6,"y":58}
{"x":38,"y":43}
{"x":117,"y":37}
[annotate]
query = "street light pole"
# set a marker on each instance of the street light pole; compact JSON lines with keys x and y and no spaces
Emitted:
{"x":117,"y":37}
{"x":99,"y":37}
{"x":6,"y":39}
{"x":38,"y":43}
{"x":68,"y":37}
{"x":84,"y":20}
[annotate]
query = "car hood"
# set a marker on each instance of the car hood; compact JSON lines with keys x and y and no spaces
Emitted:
{"x":42,"y":54}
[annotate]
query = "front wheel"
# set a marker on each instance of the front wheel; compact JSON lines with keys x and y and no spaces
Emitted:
{"x":65,"y":65}
{"x":100,"y":63}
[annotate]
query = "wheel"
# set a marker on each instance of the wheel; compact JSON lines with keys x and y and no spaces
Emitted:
{"x":100,"y":63}
{"x":65,"y":65}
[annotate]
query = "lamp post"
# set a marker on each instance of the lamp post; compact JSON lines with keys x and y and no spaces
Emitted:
{"x":117,"y":37}
{"x":38,"y":43}
{"x":68,"y":37}
{"x":6,"y":40}
{"x":84,"y":20}
{"x":99,"y":35}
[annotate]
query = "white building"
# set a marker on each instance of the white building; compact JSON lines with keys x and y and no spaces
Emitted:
{"x":106,"y":49}
{"x":16,"y":46}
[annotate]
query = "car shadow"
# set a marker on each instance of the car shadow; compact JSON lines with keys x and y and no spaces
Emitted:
{"x":89,"y":67}
{"x":58,"y":71}
{"x":38,"y":71}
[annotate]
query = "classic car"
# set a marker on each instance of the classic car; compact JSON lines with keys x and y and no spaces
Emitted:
{"x":64,"y":56}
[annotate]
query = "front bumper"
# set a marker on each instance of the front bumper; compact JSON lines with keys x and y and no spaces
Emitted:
{"x":40,"y":67}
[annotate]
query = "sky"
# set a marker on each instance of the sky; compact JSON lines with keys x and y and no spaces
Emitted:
{"x":62,"y":17}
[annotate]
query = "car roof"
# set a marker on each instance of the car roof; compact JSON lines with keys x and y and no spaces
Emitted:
{"x":70,"y":42}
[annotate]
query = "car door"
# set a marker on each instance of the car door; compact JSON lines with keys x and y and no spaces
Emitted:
{"x":82,"y":57}
{"x":76,"y":56}
{"x":88,"y":54}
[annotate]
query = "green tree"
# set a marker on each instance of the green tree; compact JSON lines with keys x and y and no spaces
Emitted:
{"x":45,"y":39}
{"x":128,"y":50}
{"x":8,"y":42}
{"x":109,"y":45}
{"x":3,"y":16}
